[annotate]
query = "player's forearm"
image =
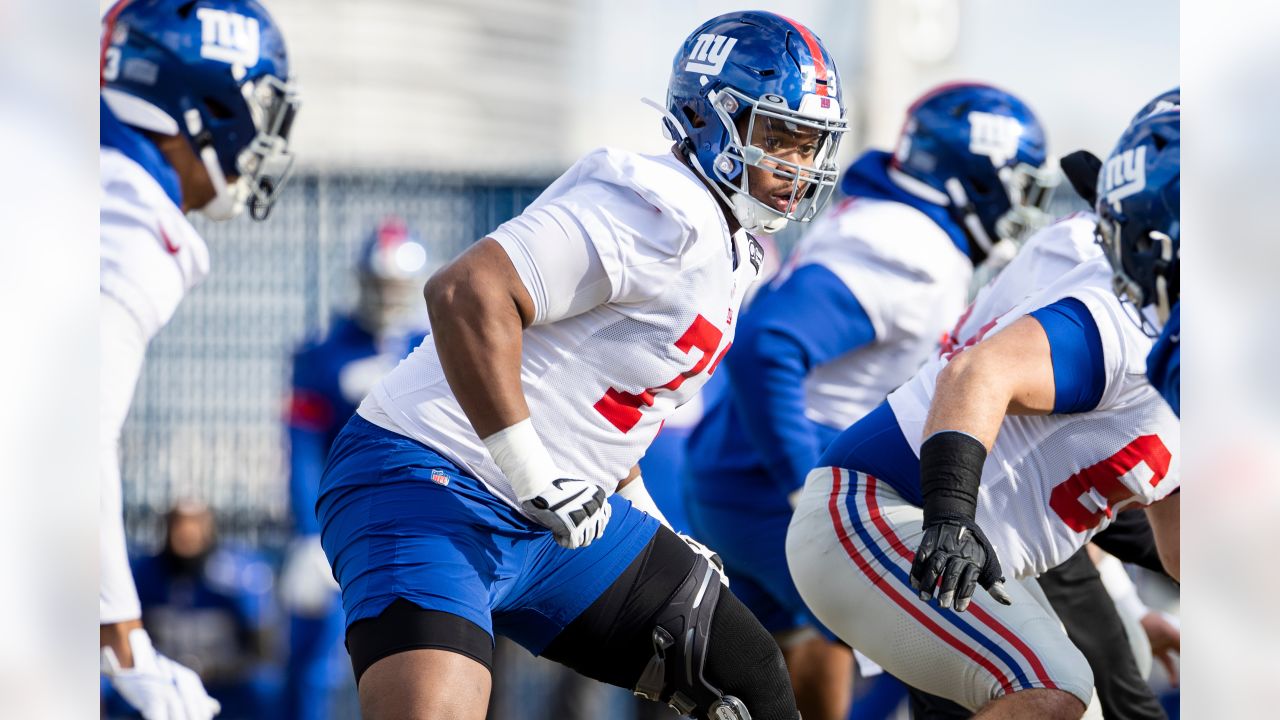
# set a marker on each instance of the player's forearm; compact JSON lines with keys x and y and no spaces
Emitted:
{"x":476,"y":326}
{"x":116,"y":637}
{"x":971,"y":398}
{"x":1166,"y":523}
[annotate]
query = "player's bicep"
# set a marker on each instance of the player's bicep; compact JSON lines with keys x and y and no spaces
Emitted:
{"x":476,"y":281}
{"x":1016,"y":363}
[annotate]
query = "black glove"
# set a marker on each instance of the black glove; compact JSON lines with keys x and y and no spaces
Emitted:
{"x":953,"y":548}
{"x":1081,"y":168}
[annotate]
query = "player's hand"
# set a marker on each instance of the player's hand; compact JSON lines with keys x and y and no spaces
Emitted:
{"x":575,"y":511}
{"x":955,"y":551}
{"x":1166,"y":642}
{"x":156,"y":686}
{"x":711,"y":555}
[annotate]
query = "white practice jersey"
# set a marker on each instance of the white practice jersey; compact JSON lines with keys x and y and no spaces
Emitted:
{"x":907,"y":275}
{"x":1051,"y":482}
{"x":599,"y":383}
{"x":151,"y":255}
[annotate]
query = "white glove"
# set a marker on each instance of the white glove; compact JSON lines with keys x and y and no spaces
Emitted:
{"x":307,"y":586}
{"x":156,"y":686}
{"x":575,"y":511}
{"x":711,"y":555}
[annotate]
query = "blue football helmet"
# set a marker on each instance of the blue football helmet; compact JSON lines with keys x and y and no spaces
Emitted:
{"x":1138,"y":221}
{"x":394,"y":265}
{"x":742,"y":85}
{"x":1165,"y":101}
{"x":216,"y":72}
{"x":979,"y":151}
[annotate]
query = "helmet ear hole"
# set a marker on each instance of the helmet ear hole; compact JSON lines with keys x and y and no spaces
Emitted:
{"x":694,"y":118}
{"x":218,"y":109}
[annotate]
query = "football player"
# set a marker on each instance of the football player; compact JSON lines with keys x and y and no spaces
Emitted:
{"x":330,"y":378}
{"x":1007,"y":452}
{"x":195,"y":115}
{"x":1140,"y":230}
{"x":859,"y":306}
{"x":474,"y":491}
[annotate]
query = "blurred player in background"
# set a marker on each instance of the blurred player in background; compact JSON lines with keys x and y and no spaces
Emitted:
{"x":472,"y":493}
{"x":1045,"y":383}
{"x":195,"y":115}
{"x":210,"y":606}
{"x":859,"y":306}
{"x":330,"y":378}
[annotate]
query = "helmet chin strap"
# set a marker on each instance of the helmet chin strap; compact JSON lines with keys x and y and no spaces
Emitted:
{"x":228,"y":200}
{"x":748,"y":216}
{"x":960,"y":199}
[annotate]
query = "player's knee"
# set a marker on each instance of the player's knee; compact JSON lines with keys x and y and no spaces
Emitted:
{"x":744,"y":661}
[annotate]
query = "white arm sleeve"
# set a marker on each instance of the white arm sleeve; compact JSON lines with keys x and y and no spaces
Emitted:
{"x":122,"y":346}
{"x":556,"y":261}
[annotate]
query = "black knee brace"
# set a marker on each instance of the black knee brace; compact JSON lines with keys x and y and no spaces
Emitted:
{"x":711,"y":655}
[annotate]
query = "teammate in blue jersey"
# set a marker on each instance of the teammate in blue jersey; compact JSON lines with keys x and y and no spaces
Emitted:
{"x":212,"y":604}
{"x":857,"y":308}
{"x":486,"y":485}
{"x":196,"y":107}
{"x":330,"y":378}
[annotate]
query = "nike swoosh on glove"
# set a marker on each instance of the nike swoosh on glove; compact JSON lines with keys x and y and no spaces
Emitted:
{"x":575,"y":511}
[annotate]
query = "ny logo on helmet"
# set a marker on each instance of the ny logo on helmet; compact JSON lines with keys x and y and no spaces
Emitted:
{"x":994,"y":136}
{"x":229,"y":37}
{"x":1125,"y":174}
{"x":710,"y":53}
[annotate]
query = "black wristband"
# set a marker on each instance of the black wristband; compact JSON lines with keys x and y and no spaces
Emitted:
{"x":950,"y":472}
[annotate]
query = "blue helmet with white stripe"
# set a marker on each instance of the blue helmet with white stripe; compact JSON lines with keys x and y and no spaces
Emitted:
{"x":1165,"y":101}
{"x":215,"y":72}
{"x":979,"y":151}
{"x":742,"y":86}
{"x":1138,"y":205}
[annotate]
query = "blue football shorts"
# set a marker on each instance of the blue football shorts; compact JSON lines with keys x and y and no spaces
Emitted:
{"x":398,"y":520}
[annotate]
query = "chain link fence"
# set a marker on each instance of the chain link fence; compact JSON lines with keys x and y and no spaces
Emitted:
{"x":206,"y":422}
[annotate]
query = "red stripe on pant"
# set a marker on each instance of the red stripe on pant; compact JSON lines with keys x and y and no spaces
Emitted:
{"x":887,"y":586}
{"x":982,"y":616}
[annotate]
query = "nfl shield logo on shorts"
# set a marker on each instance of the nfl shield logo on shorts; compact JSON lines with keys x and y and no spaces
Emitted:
{"x":438,"y":477}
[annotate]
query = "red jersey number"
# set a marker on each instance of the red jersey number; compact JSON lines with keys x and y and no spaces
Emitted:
{"x":1077,"y":500}
{"x":622,"y":409}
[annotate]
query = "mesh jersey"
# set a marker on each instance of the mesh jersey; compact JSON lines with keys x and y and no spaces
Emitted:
{"x":599,"y":384}
{"x":151,"y":255}
{"x":1051,"y":482}
{"x":907,"y":275}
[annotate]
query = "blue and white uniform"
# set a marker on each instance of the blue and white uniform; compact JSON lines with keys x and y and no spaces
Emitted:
{"x":151,"y":257}
{"x":1049,"y":484}
{"x":330,"y":378}
{"x":636,"y":283}
{"x":1164,"y":364}
{"x":857,"y":309}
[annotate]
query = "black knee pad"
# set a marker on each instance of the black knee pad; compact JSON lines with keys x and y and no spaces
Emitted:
{"x":713,"y":658}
